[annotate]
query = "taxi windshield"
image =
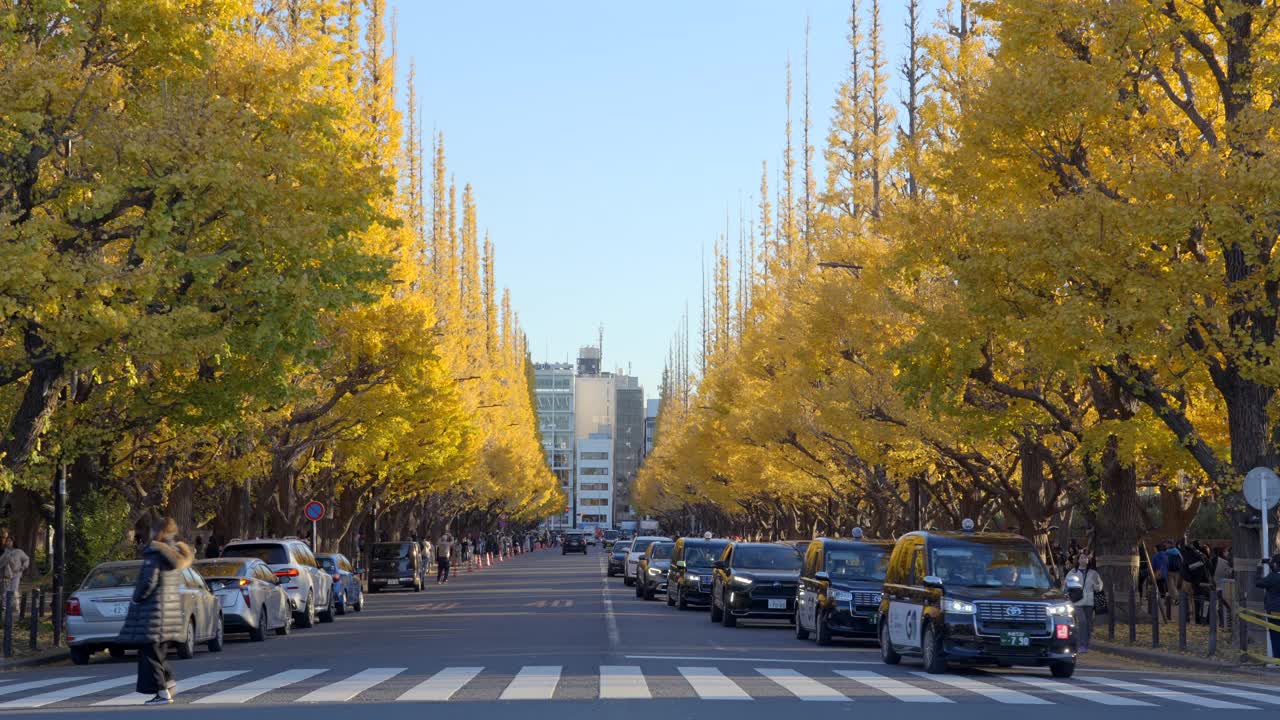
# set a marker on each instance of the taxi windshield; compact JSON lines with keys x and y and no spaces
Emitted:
{"x":989,"y":566}
{"x":662,"y":551}
{"x":776,"y":557}
{"x":703,"y":555}
{"x":861,"y":564}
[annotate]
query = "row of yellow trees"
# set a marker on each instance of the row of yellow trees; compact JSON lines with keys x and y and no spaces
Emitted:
{"x":1044,"y":282}
{"x":230,"y":283}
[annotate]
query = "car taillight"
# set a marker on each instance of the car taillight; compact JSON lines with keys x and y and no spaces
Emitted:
{"x":73,"y":607}
{"x":291,"y":572}
{"x":1064,"y":632}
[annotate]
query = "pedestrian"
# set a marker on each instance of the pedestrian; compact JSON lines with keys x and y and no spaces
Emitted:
{"x":214,"y":549}
{"x":426,"y":550}
{"x":155,"y":616}
{"x":13,"y":563}
{"x":1223,"y":573}
{"x":1196,"y":580}
{"x":1271,"y":601}
{"x":1082,"y":584}
{"x":1175,"y":569}
{"x":444,"y":553}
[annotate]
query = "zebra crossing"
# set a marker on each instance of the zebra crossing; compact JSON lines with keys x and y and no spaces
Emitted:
{"x":634,"y":682}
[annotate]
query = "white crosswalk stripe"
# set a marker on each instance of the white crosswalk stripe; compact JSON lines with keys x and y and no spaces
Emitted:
{"x":802,"y":686}
{"x":1255,"y":685}
{"x":1077,"y":690}
{"x":442,"y":685}
{"x":1167,"y":694}
{"x":711,"y":684}
{"x":623,"y":682}
{"x":533,"y":682}
{"x":184,"y":685}
{"x":1004,"y":695}
{"x":248,"y":691}
{"x":36,"y":684}
{"x":344,"y":690}
{"x":1233,"y":692}
{"x":54,"y":696}
{"x":894,"y":687}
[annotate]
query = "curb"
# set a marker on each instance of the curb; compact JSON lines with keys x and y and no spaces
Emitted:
{"x":46,"y":657}
{"x":1170,"y":658}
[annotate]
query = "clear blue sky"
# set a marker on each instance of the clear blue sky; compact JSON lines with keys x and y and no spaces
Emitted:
{"x":606,"y":140}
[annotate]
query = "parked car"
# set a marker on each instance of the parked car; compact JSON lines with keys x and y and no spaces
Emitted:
{"x":96,"y":611}
{"x":754,"y":580}
{"x":397,"y":564}
{"x":250,"y":595}
{"x":310,"y":589}
{"x":840,"y":586}
{"x":638,"y":546}
{"x":980,"y":598}
{"x":618,"y":558}
{"x":573,"y":542}
{"x":348,"y":581}
{"x":689,"y":580}
{"x":651,"y":573}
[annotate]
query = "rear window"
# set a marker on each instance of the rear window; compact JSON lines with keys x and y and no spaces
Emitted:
{"x":218,"y":569}
{"x":776,"y":557}
{"x":662,"y":551}
{"x":391,"y":551}
{"x":269,"y":553}
{"x":111,"y":577}
{"x":327,"y":563}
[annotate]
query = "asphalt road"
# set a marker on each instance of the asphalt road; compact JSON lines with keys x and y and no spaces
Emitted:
{"x":548,"y":636}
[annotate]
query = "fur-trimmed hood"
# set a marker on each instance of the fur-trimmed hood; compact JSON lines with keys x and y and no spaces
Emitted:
{"x":180,"y":555}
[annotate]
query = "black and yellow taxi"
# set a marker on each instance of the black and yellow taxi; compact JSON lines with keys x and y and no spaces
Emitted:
{"x":754,"y":580}
{"x":967,"y":597}
{"x":651,"y":572}
{"x":840,"y":585}
{"x":689,"y":580}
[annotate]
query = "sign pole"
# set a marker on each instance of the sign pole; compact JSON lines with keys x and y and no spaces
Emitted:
{"x":315,"y":539}
{"x":1266,"y":551}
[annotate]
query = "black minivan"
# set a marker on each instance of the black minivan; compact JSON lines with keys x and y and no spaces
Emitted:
{"x":396,"y":564}
{"x":689,"y":580}
{"x":968,"y":597}
{"x":840,"y":586}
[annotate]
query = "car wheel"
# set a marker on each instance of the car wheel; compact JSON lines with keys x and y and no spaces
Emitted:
{"x":801,"y":633}
{"x":80,"y":655}
{"x":215,"y":642}
{"x":727,"y":618}
{"x":187,"y":648}
{"x":887,"y":654}
{"x":716,"y":611}
{"x":308,"y":615}
{"x":935,"y":663}
{"x":822,"y":630}
{"x":359,"y":603}
{"x":259,"y":634}
{"x":682,"y":602}
{"x":1062,"y":669}
{"x":326,"y":616}
{"x":116,"y":652}
{"x":287,"y":627}
{"x":340,"y":608}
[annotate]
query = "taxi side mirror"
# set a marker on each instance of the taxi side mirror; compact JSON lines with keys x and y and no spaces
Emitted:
{"x":823,"y":576}
{"x":933,"y":581}
{"x":681,"y":564}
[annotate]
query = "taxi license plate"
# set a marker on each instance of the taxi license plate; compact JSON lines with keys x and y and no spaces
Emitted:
{"x":778,"y":604}
{"x":1015,"y":639}
{"x":119,"y":609}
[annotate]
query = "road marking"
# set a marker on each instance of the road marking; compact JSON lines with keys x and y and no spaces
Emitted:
{"x":623,"y":682}
{"x":1257,"y":686}
{"x":442,"y":685}
{"x":344,"y":690}
{"x":1165,"y":694}
{"x":1076,"y":690}
{"x":894,"y":687}
{"x":711,"y":684}
{"x":186,"y":684}
{"x":54,"y":696}
{"x":34,"y":684}
{"x":995,"y":692}
{"x":752,"y":659}
{"x":533,"y":682}
{"x":1240,"y":694}
{"x":248,"y":691}
{"x":803,"y":687}
{"x":610,"y":622}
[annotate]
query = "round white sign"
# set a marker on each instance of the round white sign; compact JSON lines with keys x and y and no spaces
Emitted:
{"x":1258,"y":480}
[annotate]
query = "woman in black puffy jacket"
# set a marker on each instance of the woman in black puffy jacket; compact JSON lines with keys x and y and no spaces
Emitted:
{"x":155,"y":615}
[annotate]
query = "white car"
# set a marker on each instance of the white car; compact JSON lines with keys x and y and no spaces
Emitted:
{"x":309,"y":587}
{"x":638,"y":546}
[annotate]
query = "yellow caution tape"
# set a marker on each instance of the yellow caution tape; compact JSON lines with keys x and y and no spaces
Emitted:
{"x":1257,"y":618}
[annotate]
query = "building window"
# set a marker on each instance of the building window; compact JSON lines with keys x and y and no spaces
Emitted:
{"x":593,"y":487}
{"x":593,"y":471}
{"x":595,"y":456}
{"x":593,"y":502}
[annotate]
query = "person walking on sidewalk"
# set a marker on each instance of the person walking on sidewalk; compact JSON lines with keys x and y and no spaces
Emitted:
{"x":1082,"y":583}
{"x":444,"y":553}
{"x":155,"y":616}
{"x":13,"y":563}
{"x":1271,"y":602}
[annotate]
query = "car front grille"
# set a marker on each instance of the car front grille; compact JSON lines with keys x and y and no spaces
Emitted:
{"x":773,"y":589}
{"x":1031,"y":618}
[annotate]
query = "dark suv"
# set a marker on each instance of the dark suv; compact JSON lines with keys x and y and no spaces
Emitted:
{"x":974,"y":598}
{"x":689,"y":581}
{"x":574,"y":542}
{"x":396,"y":564}
{"x":755,"y":580}
{"x":840,"y":588}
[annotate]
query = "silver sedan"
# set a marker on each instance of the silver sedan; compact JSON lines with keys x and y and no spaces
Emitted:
{"x":250,"y":595}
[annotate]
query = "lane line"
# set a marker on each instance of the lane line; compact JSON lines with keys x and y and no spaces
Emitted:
{"x":1076,"y":690}
{"x":184,"y":685}
{"x":711,"y":684}
{"x":1255,"y":685}
{"x":1233,"y":692}
{"x":894,"y":687}
{"x":34,"y":684}
{"x":610,"y":621}
{"x":248,"y":691}
{"x":722,"y":658}
{"x":994,"y":692}
{"x":54,"y":696}
{"x":623,"y":682}
{"x":442,"y":685}
{"x":803,"y":687}
{"x":1166,"y":694}
{"x":344,"y":690}
{"x":533,"y":682}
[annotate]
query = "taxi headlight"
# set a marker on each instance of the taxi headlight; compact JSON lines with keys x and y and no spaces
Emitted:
{"x":655,"y":571}
{"x":1060,"y":610}
{"x":739,"y":580}
{"x":842,"y":596}
{"x":959,"y":606}
{"x":691,"y":578}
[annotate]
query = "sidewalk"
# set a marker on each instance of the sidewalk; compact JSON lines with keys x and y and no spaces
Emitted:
{"x":24,"y":658}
